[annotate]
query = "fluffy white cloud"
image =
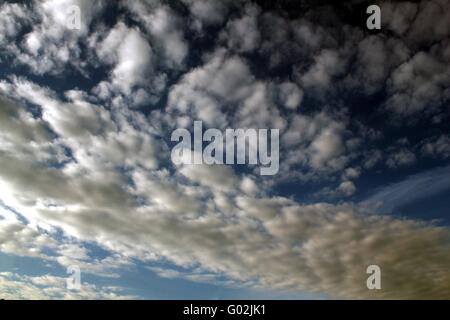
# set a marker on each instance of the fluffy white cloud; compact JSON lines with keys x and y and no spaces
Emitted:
{"x":166,"y":28}
{"x":400,"y":158}
{"x":208,"y":12}
{"x":51,"y":45}
{"x":347,"y":188}
{"x":215,"y":177}
{"x":328,"y":145}
{"x":418,"y":84}
{"x":244,"y":240}
{"x":13,"y":18}
{"x":131,"y":55}
{"x":327,"y":65}
{"x":18,"y":239}
{"x":225,"y":86}
{"x":290,"y":94}
{"x":413,"y":188}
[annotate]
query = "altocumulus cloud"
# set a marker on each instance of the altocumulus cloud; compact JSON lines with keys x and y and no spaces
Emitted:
{"x":89,"y":161}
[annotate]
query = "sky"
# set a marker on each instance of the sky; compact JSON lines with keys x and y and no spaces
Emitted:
{"x":87,"y":180}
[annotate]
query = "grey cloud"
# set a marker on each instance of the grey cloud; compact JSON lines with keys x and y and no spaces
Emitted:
{"x":327,"y":64}
{"x":50,"y":46}
{"x":419,"y":83}
{"x":248,"y":244}
{"x":209,"y":12}
{"x":242,"y":34}
{"x":290,"y":94}
{"x":18,"y":239}
{"x":224,"y":85}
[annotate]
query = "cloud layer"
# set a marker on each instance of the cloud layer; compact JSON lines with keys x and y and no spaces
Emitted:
{"x":89,"y":161}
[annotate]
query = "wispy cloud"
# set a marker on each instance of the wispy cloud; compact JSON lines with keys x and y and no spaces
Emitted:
{"x":413,"y":188}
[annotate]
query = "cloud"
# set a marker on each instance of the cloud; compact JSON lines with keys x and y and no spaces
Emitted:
{"x":85,"y":165}
{"x":131,"y":54}
{"x":352,"y":173}
{"x":166,"y":28}
{"x":326,"y":146}
{"x":376,"y":57}
{"x":20,"y":240}
{"x":291,"y":95}
{"x":347,"y":188}
{"x":15,"y":286}
{"x":327,"y":65}
{"x":413,"y":188}
{"x":402,"y":157}
{"x":259,"y":232}
{"x":242,"y":34}
{"x":24,"y":239}
{"x":217,"y":176}
{"x":50,"y":46}
{"x":418,"y":83}
{"x":437,"y":147}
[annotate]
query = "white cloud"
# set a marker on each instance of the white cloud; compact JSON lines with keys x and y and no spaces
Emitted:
{"x":347,"y":188}
{"x":131,"y":55}
{"x":417,"y":84}
{"x":437,"y":147}
{"x":413,"y":188}
{"x":243,"y":240}
{"x":167,"y":31}
{"x":352,"y":173}
{"x":326,"y":146}
{"x":242,"y":34}
{"x":15,"y":286}
{"x":18,"y":239}
{"x":212,"y":176}
{"x":211,"y":12}
{"x":249,"y":186}
{"x":13,"y":18}
{"x":50,"y":45}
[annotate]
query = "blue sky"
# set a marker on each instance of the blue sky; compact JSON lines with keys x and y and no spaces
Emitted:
{"x":86,"y":177}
